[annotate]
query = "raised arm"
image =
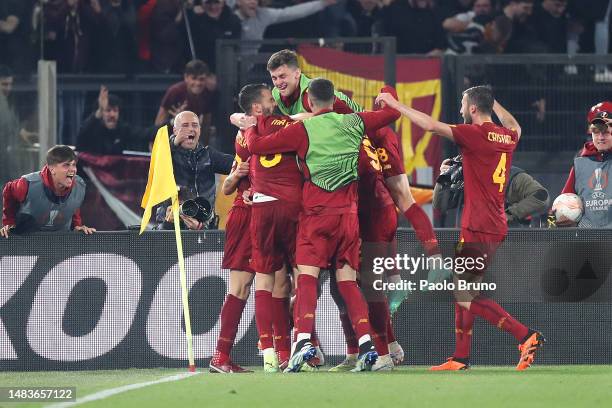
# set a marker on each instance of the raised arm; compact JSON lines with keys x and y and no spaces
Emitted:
{"x":292,"y":138}
{"x":420,"y":119}
{"x":507,"y":120}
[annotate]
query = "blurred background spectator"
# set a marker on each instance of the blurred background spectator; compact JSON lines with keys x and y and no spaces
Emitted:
{"x":196,"y":93}
{"x":211,"y":20}
{"x":104,"y":133}
{"x":416,"y":25}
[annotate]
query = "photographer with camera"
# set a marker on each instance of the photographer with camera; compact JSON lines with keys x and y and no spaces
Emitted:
{"x":525,"y":197}
{"x":196,"y":213}
{"x":195,"y":165}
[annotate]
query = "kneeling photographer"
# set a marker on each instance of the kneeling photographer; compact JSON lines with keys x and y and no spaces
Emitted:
{"x":196,"y":213}
{"x":525,"y":196}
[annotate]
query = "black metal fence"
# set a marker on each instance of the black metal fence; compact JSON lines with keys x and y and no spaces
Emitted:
{"x":549,"y":94}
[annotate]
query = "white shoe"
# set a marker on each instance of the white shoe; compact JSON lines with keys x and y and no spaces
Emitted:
{"x":384,"y":363}
{"x":396,"y":352}
{"x":346,"y":365}
{"x":300,"y":358}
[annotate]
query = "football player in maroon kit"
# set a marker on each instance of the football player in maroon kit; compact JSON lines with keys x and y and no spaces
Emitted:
{"x":276,"y":184}
{"x":487,"y":155}
{"x":236,"y":258}
{"x":328,"y":226}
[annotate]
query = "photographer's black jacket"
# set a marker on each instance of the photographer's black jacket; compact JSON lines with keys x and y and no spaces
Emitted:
{"x":196,"y":168}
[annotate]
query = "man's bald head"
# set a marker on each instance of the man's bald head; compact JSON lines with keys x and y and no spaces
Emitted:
{"x":186,"y":130}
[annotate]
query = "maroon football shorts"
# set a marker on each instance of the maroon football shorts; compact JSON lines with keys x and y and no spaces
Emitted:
{"x":237,"y":251}
{"x":325,"y":240}
{"x":378,"y":224}
{"x":480,"y":247}
{"x":273,"y":234}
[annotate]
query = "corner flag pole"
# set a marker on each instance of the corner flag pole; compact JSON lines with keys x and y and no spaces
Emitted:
{"x":161,"y":186}
{"x":183,"y":276}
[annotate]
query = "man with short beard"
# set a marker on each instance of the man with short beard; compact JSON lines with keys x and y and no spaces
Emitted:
{"x":48,"y":200}
{"x":487,"y":150}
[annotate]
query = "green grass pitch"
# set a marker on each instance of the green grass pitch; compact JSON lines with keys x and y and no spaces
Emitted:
{"x":540,"y":386}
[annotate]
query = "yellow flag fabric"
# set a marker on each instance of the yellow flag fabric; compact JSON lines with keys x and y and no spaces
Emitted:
{"x":161,"y":184}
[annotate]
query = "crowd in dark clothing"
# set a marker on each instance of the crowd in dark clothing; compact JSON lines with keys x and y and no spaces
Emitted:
{"x":128,"y":36}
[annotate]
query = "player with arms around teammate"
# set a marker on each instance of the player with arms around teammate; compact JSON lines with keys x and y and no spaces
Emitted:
{"x":291,"y":95}
{"x":328,"y":146}
{"x":276,"y":183}
{"x":487,"y":156}
{"x":237,"y":253}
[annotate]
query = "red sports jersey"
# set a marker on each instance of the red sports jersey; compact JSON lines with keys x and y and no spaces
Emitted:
{"x":276,"y":175}
{"x":242,"y":155}
{"x":387,"y":147}
{"x":373,"y":192}
{"x":487,"y":156}
{"x":294,"y":138}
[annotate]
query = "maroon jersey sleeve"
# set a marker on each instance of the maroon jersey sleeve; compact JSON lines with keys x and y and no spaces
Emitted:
{"x":292,"y":138}
{"x":13,"y":194}
{"x":570,"y":183}
{"x":242,"y":155}
{"x":373,"y":121}
{"x":76,"y":218}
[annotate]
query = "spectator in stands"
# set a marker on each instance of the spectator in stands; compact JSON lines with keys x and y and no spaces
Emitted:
{"x":14,"y":34}
{"x":256,"y":19}
{"x":551,"y":22}
{"x":195,"y":93}
{"x":195,"y":164}
{"x":48,"y":200}
{"x":415,"y":24}
{"x":361,"y":16}
{"x":71,"y":26}
{"x":115,"y":41}
{"x":211,"y":20}
{"x":103,"y":133}
{"x":525,"y":196}
{"x":449,"y":8}
{"x":467,"y":30}
{"x":524,"y":37}
{"x":15,"y":138}
{"x":167,"y":36}
{"x":460,"y":22}
{"x":589,"y":177}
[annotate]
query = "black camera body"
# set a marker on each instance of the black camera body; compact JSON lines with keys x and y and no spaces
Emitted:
{"x":198,"y":208}
{"x":452,"y":182}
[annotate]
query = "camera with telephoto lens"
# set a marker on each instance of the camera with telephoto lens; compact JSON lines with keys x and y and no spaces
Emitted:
{"x":198,"y":208}
{"x":453,"y":176}
{"x":452,"y":182}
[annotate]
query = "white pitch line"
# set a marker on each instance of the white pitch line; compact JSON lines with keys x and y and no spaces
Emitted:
{"x":114,"y":391}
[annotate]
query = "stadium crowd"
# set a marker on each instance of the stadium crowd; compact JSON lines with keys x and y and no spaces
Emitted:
{"x":135,"y":36}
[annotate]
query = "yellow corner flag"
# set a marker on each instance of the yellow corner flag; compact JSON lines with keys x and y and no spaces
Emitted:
{"x":161,"y":186}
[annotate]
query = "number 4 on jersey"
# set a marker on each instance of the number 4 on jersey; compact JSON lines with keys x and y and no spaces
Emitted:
{"x":499,"y":175}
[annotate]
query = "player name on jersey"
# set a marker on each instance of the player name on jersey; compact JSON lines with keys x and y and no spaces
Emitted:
{"x":500,"y":138}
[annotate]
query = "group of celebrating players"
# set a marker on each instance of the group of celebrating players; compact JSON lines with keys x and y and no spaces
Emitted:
{"x":317,"y":188}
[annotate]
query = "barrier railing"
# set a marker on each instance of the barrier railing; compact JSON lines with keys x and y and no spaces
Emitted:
{"x":112,"y":300}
